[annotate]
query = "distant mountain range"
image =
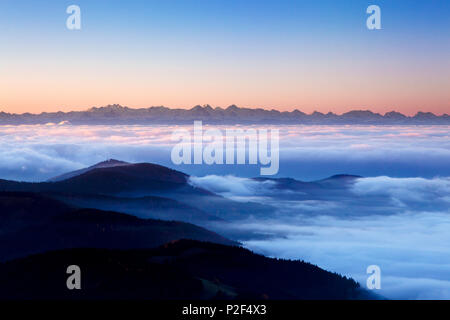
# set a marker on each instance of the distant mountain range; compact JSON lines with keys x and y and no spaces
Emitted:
{"x":117,"y":114}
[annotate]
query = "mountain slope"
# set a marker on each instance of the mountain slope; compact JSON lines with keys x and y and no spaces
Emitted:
{"x":137,"y":181}
{"x":26,"y":232}
{"x":105,"y":164}
{"x":148,"y":207}
{"x":19,"y":210}
{"x":131,"y":178}
{"x":180,"y":270}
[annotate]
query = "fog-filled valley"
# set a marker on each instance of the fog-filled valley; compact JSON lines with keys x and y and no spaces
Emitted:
{"x":345,"y":197}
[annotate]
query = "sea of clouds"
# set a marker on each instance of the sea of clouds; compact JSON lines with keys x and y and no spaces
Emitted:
{"x":39,"y":152}
{"x":404,"y":232}
{"x":398,"y":217}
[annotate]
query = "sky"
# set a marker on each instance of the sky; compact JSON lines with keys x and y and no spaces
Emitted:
{"x":309,"y":55}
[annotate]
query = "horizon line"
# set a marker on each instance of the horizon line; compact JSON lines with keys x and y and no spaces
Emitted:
{"x":208,"y":106}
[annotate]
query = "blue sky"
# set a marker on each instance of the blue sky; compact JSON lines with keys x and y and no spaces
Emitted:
{"x":282,"y":54}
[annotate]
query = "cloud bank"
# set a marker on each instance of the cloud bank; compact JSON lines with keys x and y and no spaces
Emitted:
{"x":399,"y":224}
{"x":397,"y":217}
{"x":39,"y":152}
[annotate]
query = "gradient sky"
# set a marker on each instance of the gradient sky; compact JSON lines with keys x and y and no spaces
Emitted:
{"x":310,"y":55}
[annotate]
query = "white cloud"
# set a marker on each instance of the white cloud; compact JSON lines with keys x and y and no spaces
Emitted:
{"x":400,"y":224}
{"x":406,"y":191}
{"x":413,"y":250}
{"x":306,"y":152}
{"x":408,"y":238}
{"x":232,"y":187}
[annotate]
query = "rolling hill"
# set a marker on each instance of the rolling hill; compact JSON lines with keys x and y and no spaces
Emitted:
{"x":44,"y":227}
{"x":32,"y":223}
{"x":139,"y":183}
{"x":183,"y":269}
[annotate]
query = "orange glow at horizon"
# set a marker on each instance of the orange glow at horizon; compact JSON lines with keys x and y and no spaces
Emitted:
{"x":39,"y":94}
{"x":315,"y":57}
{"x":51,"y":86}
{"x":50,"y":103}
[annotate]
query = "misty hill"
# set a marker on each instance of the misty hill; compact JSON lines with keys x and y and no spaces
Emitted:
{"x":118,"y":186}
{"x":143,"y":207}
{"x":152,"y":191}
{"x":339,"y":181}
{"x":144,"y":189}
{"x":130,"y":179}
{"x":33,"y":223}
{"x":180,"y":270}
{"x":105,"y":164}
{"x":116,"y":114}
{"x":337,"y":187}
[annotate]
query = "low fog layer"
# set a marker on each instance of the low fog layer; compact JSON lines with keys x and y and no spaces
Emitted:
{"x":396,"y":217}
{"x":399,"y":224}
{"x":39,"y":152}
